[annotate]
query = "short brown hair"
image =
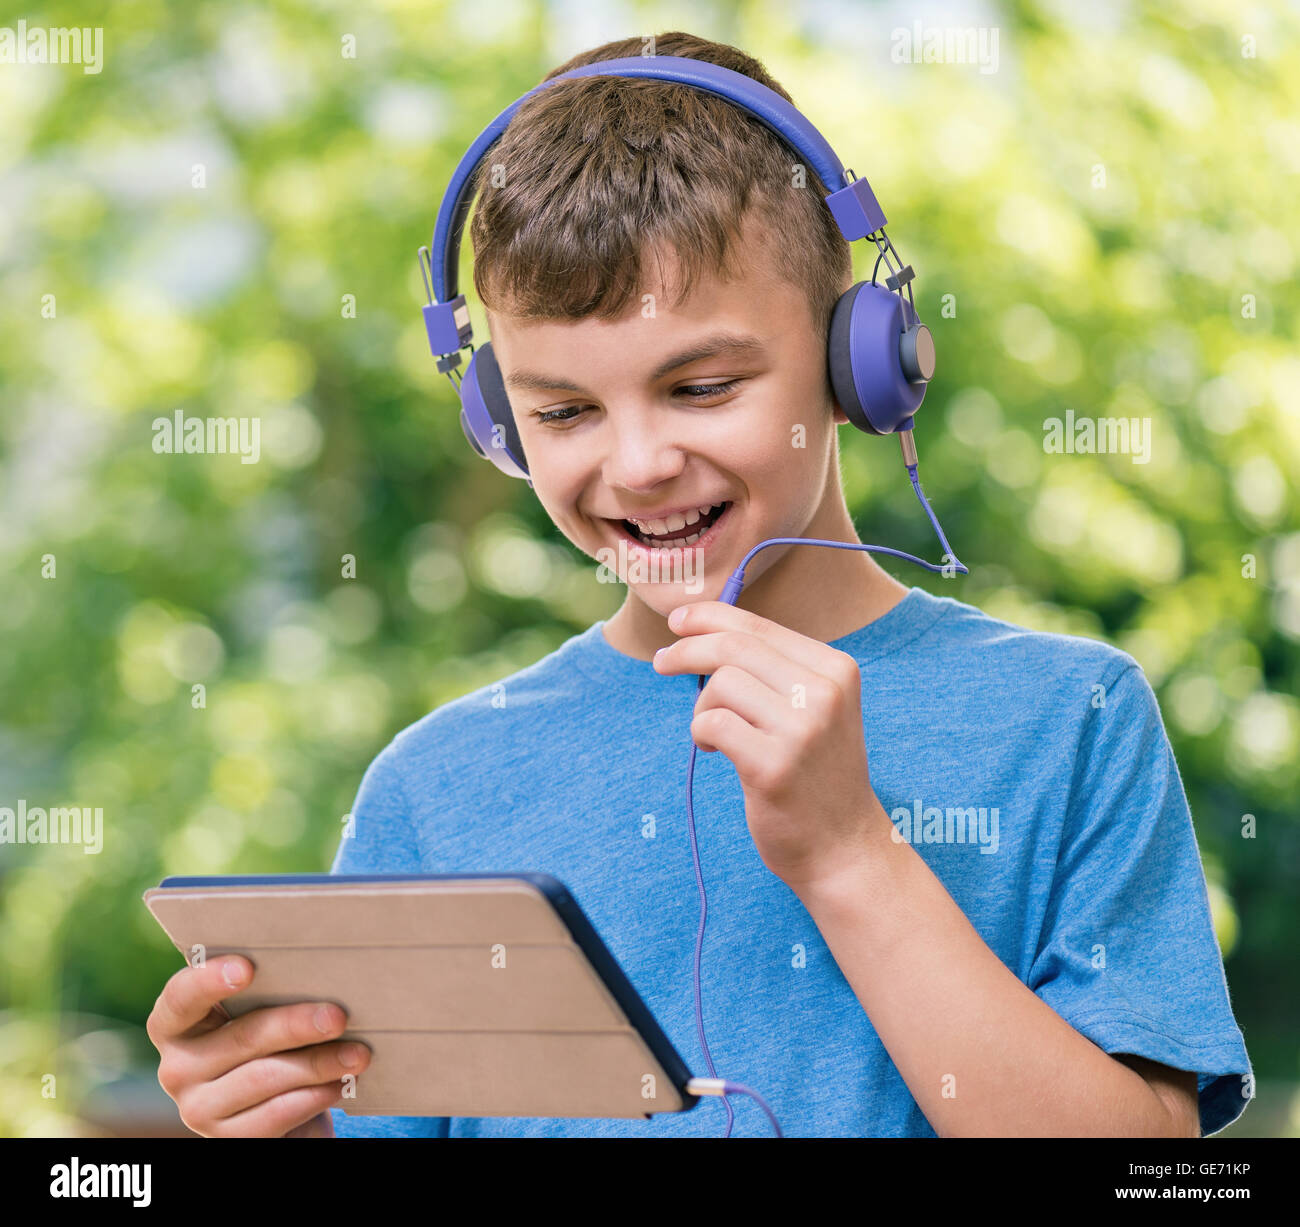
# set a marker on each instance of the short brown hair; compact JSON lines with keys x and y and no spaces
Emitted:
{"x":599,"y":168}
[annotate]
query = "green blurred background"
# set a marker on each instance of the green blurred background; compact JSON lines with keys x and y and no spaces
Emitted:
{"x":1161,"y":287}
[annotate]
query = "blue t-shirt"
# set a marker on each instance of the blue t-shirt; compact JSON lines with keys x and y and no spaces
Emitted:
{"x":1031,"y":771}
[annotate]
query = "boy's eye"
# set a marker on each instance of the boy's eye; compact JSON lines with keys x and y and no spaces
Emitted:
{"x":553,"y":415}
{"x":695,"y":391}
{"x":703,"y":390}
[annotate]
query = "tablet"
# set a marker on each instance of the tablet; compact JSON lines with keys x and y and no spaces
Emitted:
{"x":479,"y":994}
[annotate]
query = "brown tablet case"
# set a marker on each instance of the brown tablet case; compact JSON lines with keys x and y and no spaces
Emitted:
{"x":471,"y":993}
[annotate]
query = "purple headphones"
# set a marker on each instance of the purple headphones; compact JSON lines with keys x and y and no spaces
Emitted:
{"x":880,"y":355}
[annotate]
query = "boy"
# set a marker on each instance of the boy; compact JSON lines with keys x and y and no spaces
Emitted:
{"x":953,"y":886}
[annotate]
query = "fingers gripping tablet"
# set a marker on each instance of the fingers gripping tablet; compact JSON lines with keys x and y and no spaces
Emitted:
{"x":477,"y":994}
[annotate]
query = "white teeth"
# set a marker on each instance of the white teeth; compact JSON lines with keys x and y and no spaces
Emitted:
{"x":673,"y":523}
{"x":664,"y":545}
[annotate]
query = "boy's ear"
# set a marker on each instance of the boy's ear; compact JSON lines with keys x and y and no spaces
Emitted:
{"x":840,"y":417}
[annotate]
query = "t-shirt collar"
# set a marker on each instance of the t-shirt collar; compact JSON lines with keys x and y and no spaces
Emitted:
{"x":910,"y":617}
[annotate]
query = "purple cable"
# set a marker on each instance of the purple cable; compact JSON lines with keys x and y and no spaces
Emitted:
{"x":730,"y":594}
{"x":735,"y":1088}
{"x":704,"y":912}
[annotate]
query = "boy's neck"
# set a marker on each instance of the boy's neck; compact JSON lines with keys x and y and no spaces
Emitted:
{"x":818,"y":591}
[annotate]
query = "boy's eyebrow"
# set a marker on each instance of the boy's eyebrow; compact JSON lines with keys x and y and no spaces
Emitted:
{"x":708,"y":347}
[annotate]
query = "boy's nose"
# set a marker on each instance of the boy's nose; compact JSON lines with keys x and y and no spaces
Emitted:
{"x":640,"y":459}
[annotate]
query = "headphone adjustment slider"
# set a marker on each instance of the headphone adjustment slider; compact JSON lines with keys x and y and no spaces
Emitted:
{"x":448,"y":326}
{"x":855,"y":209}
{"x":447,"y":323}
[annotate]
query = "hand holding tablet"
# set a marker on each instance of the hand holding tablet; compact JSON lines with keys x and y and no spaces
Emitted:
{"x":271,"y":1072}
{"x":476,"y":995}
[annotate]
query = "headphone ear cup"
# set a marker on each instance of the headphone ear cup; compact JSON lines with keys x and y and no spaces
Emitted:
{"x":866,"y":371}
{"x":468,"y":433}
{"x":486,"y":417}
{"x":840,"y":362}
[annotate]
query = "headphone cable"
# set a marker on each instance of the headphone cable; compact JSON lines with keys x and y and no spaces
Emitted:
{"x":714,"y":1085}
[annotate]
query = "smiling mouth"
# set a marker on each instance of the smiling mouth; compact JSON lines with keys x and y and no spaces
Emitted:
{"x":687,"y":535}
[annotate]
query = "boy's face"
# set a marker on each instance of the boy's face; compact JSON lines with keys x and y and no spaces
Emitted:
{"x":634,"y":435}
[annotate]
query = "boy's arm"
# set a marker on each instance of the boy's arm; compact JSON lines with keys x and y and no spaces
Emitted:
{"x":1177,"y":1087}
{"x":1126,"y":945}
{"x":981,"y":1053}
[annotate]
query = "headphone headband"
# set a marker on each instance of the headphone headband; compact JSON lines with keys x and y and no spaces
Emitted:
{"x":880,"y":356}
{"x":851,"y":200}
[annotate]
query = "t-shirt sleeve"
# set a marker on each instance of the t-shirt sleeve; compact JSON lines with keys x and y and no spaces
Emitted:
{"x":1128,"y":954}
{"x":381,"y":839}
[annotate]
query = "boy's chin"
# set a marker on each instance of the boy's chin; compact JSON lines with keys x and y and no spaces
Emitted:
{"x":663,"y":597}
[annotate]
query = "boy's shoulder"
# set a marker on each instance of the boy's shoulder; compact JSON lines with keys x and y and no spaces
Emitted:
{"x":554,"y":679}
{"x":962,"y":635}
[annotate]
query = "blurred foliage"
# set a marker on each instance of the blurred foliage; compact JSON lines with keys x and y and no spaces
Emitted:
{"x":1097,"y":208}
